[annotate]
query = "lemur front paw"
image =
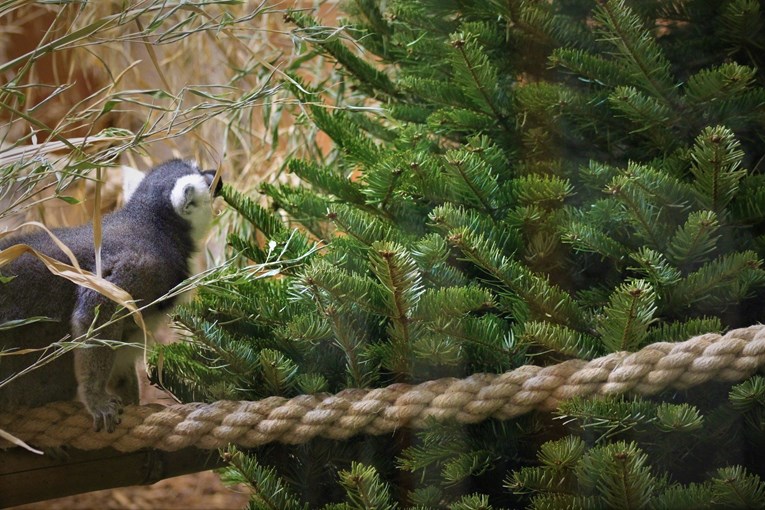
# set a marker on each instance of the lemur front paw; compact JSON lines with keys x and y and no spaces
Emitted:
{"x":106,"y":410}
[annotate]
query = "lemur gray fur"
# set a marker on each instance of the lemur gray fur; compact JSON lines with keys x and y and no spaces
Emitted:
{"x":146,"y":250}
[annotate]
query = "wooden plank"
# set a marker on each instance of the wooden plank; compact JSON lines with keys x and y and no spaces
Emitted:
{"x":26,"y":477}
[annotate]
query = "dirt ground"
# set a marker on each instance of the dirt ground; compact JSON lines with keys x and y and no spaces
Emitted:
{"x":197,"y":491}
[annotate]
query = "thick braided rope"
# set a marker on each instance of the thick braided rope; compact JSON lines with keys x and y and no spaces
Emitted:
{"x":659,"y":366}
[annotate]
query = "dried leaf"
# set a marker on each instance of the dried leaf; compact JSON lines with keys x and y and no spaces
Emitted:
{"x":18,"y":442}
{"x":73,"y":272}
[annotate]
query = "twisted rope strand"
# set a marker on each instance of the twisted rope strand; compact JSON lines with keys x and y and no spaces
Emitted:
{"x":730,"y":357}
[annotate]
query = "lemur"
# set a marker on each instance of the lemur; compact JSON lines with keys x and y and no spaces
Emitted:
{"x":146,"y":250}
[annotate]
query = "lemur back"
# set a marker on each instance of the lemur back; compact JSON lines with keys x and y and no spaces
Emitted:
{"x":146,"y":248}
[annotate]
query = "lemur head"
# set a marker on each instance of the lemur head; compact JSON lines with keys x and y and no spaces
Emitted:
{"x":178,"y":188}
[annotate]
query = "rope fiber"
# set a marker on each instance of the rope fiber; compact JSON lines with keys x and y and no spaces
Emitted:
{"x":659,"y":366}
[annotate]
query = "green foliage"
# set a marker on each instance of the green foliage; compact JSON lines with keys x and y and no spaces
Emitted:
{"x":617,"y":475}
{"x":269,"y":491}
{"x":364,"y":488}
{"x":509,"y":183}
{"x":626,"y":318}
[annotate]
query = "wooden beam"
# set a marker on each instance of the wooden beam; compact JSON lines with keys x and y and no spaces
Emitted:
{"x":26,"y":477}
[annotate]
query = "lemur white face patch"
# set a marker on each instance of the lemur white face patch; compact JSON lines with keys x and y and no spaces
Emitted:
{"x":192,"y":201}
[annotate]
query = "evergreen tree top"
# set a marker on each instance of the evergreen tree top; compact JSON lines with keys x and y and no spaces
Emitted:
{"x":510,"y":183}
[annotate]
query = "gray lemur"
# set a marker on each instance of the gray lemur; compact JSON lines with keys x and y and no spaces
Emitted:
{"x":146,"y":250}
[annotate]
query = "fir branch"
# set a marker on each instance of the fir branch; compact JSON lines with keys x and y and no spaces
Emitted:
{"x":450,"y":218}
{"x":748,"y":395}
{"x":303,"y":205}
{"x":678,"y":418}
{"x":337,"y":295}
{"x":717,"y":158}
{"x":608,"y":417}
{"x":399,"y":276}
{"x":305,"y":327}
{"x":364,"y":488}
{"x":471,"y":462}
{"x":719,"y":83}
{"x":620,"y":473}
{"x":430,"y":250}
{"x":269,"y":490}
{"x":733,"y":487}
{"x":658,"y":187}
{"x":337,"y":125}
{"x":641,"y":212}
{"x":234,"y":354}
{"x":682,"y":330}
{"x":741,"y":26}
{"x":748,"y":207}
{"x":438,"y":350}
{"x":327,"y":180}
{"x":695,"y":240}
{"x":438,"y":92}
{"x":546,"y":191}
{"x":366,"y":74}
{"x":686,"y":496}
{"x":558,"y":338}
{"x":656,"y":268}
{"x":723,"y":280}
{"x":639,"y":51}
{"x":626,"y":318}
{"x":267,"y":223}
{"x":432,"y":253}
{"x":586,"y":237}
{"x":350,"y":339}
{"x":402,"y":283}
{"x":476,"y":179}
{"x":481,"y":82}
{"x":452,"y":302}
{"x":650,"y":116}
{"x":472,"y":502}
{"x":591,"y":68}
{"x":556,"y":473}
{"x":547,"y":301}
{"x":328,"y":284}
{"x":363,"y":226}
{"x":277,"y":371}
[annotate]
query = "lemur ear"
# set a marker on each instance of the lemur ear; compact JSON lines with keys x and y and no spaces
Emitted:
{"x":210,"y":178}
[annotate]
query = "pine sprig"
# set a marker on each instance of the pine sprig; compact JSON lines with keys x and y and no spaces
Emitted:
{"x":364,"y":489}
{"x":694,"y":241}
{"x":327,"y":39}
{"x":325,"y":179}
{"x":719,"y":282}
{"x":620,"y":473}
{"x":269,"y":491}
{"x":719,"y":84}
{"x":637,"y":50}
{"x":401,"y":280}
{"x":626,"y":318}
{"x":650,"y":115}
{"x":593,"y":68}
{"x":717,"y":158}
{"x":477,"y":77}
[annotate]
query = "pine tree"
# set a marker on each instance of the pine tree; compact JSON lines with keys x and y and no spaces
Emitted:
{"x":511,"y":183}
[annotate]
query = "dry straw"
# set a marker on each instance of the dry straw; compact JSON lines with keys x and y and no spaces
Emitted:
{"x":87,"y":86}
{"x":91,"y":84}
